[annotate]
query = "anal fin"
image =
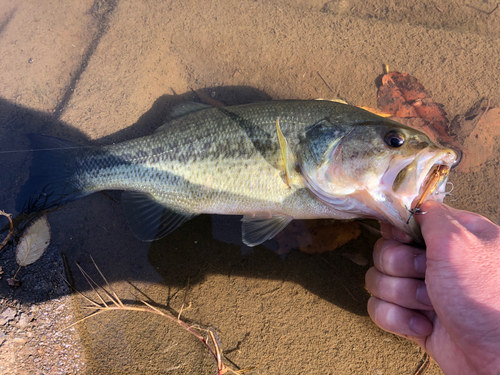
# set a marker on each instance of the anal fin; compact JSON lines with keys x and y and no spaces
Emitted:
{"x":259,"y":228}
{"x":150,"y":219}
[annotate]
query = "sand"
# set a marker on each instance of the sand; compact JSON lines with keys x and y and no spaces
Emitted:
{"x":107,"y":71}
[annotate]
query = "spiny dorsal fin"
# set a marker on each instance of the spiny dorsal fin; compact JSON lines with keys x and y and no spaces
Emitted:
{"x":188,"y":107}
{"x":259,"y":228}
{"x":182,"y":110}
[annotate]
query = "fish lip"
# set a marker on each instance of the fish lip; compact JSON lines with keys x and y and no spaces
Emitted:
{"x":460,"y":156}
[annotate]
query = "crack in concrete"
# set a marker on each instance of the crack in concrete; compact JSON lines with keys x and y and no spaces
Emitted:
{"x":101,"y":10}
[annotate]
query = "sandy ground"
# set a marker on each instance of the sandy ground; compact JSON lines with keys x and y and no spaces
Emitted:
{"x":106,"y":71}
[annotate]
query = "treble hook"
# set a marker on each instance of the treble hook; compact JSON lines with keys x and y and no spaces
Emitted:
{"x":452,"y":187}
{"x":448,"y":193}
{"x":452,"y":195}
{"x":414,"y":211}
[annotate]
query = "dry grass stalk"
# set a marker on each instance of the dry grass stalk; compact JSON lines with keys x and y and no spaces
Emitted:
{"x":424,"y":365}
{"x":116,"y":304}
{"x":11,"y":230}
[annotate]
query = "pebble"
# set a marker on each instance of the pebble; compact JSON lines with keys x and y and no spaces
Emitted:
{"x":7,"y":315}
{"x":19,"y":340}
{"x":23,"y":321}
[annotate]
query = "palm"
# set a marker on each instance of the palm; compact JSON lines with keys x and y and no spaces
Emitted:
{"x":460,"y":270}
{"x":445,"y":351}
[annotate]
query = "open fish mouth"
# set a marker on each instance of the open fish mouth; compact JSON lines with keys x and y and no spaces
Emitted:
{"x":433,"y":182}
{"x":409,"y":182}
{"x":423,"y":179}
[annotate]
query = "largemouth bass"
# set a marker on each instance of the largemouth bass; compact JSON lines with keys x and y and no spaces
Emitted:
{"x":271,"y":162}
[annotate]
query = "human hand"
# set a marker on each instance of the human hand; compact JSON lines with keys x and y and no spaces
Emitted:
{"x":454,"y":314}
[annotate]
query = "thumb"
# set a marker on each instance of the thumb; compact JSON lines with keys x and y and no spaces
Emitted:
{"x":439,"y":220}
{"x":444,"y":233}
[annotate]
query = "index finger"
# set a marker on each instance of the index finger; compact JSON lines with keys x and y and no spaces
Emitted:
{"x":397,"y":259}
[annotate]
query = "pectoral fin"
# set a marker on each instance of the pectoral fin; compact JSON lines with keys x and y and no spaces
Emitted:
{"x":287,"y":156}
{"x":148,"y":218}
{"x":257,"y":229}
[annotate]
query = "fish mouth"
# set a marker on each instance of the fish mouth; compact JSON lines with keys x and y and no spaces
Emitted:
{"x":411,"y":182}
{"x":433,"y":183}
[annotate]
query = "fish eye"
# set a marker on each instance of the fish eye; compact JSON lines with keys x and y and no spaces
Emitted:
{"x":394,"y":139}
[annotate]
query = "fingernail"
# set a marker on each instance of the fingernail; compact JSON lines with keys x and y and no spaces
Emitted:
{"x":421,"y":326}
{"x":423,"y":296}
{"x":420,"y":263}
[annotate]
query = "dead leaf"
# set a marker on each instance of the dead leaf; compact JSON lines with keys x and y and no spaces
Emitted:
{"x":402,"y":95}
{"x":392,"y":100}
{"x":317,"y":236}
{"x":14,"y":282}
{"x":33,"y":242}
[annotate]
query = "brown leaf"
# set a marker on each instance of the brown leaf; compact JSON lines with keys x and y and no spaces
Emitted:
{"x":404,"y":96}
{"x":392,"y":100}
{"x":14,"y":282}
{"x":317,"y":236}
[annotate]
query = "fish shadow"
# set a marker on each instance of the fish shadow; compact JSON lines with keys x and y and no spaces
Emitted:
{"x":95,"y":227}
{"x":201,"y":251}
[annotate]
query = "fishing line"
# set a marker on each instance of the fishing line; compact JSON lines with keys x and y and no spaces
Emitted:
{"x":42,"y":149}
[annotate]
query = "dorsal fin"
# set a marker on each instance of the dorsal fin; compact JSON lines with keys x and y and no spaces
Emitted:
{"x":182,"y":110}
{"x":188,"y":107}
